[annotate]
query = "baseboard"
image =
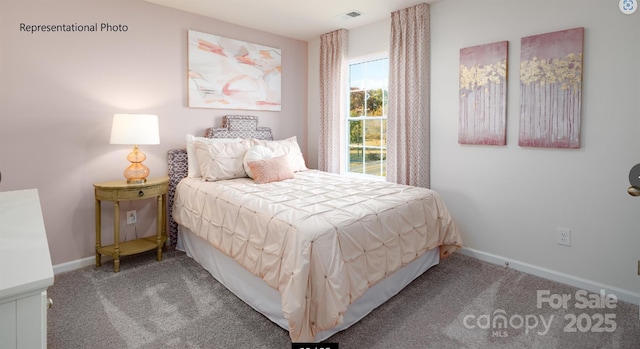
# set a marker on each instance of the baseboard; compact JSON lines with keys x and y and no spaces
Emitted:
{"x":592,"y":286}
{"x":77,"y":264}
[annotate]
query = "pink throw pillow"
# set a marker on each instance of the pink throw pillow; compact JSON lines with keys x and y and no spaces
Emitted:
{"x":271,"y":170}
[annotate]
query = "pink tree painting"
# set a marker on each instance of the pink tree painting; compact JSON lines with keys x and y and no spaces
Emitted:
{"x":483,"y":94}
{"x":551,"y":89}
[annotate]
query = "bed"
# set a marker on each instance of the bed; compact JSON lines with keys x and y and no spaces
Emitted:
{"x":312,"y":251}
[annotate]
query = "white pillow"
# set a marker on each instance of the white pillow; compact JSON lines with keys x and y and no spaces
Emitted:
{"x":220,"y":161}
{"x":287,"y":147}
{"x":193,"y":169}
{"x":256,"y":152}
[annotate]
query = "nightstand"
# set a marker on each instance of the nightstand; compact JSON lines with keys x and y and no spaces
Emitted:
{"x":117,"y":191}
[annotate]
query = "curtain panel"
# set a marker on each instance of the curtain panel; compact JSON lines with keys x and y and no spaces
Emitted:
{"x":408,"y":118}
{"x":333,"y":53}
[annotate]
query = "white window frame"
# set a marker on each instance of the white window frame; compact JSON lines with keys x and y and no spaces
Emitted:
{"x":346,"y":151}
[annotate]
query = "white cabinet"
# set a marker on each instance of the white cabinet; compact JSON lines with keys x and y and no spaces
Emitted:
{"x":25,"y":271}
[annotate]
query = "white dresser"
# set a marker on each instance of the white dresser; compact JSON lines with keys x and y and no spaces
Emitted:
{"x":25,"y":271}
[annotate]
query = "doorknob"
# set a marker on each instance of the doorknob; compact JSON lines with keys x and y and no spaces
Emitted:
{"x":634,"y":180}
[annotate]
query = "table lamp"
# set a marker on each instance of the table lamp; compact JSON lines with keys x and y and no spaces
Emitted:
{"x":135,"y":129}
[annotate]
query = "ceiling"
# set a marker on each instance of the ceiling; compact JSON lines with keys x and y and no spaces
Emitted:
{"x":299,"y":19}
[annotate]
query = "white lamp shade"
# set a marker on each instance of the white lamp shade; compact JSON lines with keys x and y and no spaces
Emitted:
{"x":135,"y":129}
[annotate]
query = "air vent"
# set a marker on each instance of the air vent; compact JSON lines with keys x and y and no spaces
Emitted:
{"x":350,"y":15}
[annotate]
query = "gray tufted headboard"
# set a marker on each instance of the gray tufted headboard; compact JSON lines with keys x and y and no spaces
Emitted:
{"x":233,"y":126}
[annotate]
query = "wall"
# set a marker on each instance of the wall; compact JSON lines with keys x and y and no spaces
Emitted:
{"x":509,"y":200}
{"x":60,"y":90}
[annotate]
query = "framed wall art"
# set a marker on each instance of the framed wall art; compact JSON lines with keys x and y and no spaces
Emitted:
{"x":232,"y":74}
{"x":551,"y":89}
{"x":483,"y":94}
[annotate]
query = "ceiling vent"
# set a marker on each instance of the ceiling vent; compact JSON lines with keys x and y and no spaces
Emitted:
{"x":353,"y":14}
{"x":350,"y":15}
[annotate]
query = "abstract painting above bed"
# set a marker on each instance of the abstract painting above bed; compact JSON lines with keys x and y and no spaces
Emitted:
{"x":232,"y":74}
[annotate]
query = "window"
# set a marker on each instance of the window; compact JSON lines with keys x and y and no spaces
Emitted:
{"x":367,"y":119}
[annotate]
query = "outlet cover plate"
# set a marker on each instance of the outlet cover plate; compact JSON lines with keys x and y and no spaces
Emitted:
{"x":563,"y":236}
{"x":132,"y":218}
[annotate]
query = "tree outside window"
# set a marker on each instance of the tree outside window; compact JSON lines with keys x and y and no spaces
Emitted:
{"x":367,"y":120}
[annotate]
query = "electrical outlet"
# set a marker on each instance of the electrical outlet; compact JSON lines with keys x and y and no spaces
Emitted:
{"x":132,"y":217}
{"x":563,"y":236}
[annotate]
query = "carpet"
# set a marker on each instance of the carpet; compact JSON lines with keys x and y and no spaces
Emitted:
{"x":460,"y":303}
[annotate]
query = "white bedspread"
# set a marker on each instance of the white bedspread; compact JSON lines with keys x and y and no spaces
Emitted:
{"x":320,"y":239}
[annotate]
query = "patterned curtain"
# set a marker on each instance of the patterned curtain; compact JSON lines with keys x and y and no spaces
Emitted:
{"x":333,"y":53}
{"x":408,"y":119}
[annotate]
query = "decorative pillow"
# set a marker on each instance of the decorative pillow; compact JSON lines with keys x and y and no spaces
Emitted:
{"x":193,"y":169}
{"x":256,"y":152}
{"x":220,"y":161}
{"x":271,"y":170}
{"x":241,"y":124}
{"x":288,"y":147}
